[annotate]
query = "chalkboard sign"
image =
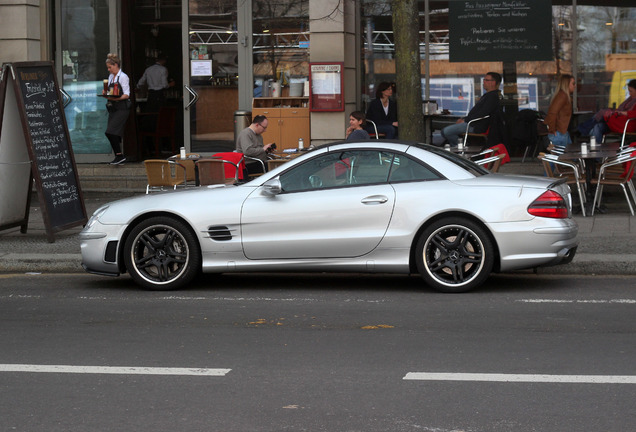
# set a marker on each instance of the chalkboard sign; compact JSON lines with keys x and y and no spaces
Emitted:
{"x":516,"y":30}
{"x":47,"y":138}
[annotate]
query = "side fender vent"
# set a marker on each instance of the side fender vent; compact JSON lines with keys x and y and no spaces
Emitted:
{"x":111,"y":252}
{"x":219,"y":233}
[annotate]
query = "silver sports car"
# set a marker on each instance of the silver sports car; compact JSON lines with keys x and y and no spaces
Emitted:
{"x":375,"y":207}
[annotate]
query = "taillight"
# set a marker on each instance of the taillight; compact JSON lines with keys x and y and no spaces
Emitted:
{"x":550,"y":205}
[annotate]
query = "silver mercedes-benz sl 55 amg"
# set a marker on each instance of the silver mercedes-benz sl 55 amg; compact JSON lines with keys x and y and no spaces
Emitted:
{"x":372,"y":207}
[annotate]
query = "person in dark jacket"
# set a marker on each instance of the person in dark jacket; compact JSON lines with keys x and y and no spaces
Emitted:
{"x":487,"y":105}
{"x":383,"y":111}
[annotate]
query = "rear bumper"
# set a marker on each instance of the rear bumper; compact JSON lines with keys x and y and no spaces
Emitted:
{"x":522,"y":247}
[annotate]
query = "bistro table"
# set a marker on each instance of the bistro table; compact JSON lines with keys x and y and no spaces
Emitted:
{"x":467,"y":151}
{"x":438,"y":121}
{"x":600,"y":152}
{"x":190,"y":165}
{"x":274,"y":163}
{"x":277,"y":159}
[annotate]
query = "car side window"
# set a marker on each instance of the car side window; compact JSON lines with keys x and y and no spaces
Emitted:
{"x":406,"y":169}
{"x":339,"y":169}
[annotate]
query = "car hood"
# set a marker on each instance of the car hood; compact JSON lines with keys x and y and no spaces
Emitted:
{"x":177,"y":202}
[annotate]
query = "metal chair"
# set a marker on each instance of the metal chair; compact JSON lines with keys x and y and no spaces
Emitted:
{"x":472,"y":134}
{"x":189,"y":164}
{"x":624,"y":135}
{"x":607,"y":176}
{"x":237,"y":168}
{"x":572,"y":173}
{"x":212,"y":171}
{"x":375,"y":134}
{"x":491,"y":163}
{"x":163,"y":173}
{"x":542,"y":133}
{"x":495,"y":150}
{"x":482,"y":154}
{"x":253,"y":159}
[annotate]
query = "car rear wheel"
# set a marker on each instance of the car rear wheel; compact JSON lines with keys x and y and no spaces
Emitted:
{"x":454,"y":255}
{"x":161,"y":253}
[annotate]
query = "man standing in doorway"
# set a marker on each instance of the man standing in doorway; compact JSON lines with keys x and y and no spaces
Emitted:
{"x":156,"y":78}
{"x":486,"y":106}
{"x":250,"y":143}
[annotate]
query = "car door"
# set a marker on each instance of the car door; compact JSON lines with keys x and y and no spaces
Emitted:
{"x":336,"y":205}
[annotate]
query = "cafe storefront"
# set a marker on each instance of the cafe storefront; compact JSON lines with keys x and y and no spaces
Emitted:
{"x":227,"y":56}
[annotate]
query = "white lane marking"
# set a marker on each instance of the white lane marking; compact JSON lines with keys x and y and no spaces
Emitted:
{"x":530,"y":378}
{"x":118,"y":370}
{"x":200,"y":298}
{"x":610,"y":301}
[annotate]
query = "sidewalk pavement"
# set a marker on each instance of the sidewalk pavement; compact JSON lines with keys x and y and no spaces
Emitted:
{"x":606,"y":240}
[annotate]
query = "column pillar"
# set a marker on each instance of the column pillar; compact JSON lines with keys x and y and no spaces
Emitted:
{"x":245,"y":49}
{"x":20,"y":30}
{"x":335,"y":36}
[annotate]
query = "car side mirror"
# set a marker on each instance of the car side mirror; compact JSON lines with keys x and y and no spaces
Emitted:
{"x":272,"y":187}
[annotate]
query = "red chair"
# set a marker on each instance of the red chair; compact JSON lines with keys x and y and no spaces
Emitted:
{"x":237,"y":159}
{"x":501,"y":149}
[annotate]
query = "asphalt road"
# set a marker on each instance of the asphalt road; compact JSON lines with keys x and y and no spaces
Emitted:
{"x":337,"y":353}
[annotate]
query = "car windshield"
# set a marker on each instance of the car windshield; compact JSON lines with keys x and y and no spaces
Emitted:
{"x":466,"y":164}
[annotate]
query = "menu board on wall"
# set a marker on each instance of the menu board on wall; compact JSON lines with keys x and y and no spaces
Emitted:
{"x":47,"y":139}
{"x":512,"y":30}
{"x":326,"y":84}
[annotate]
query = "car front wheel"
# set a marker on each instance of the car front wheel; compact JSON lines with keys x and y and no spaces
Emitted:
{"x":454,"y":255}
{"x":161,"y":253}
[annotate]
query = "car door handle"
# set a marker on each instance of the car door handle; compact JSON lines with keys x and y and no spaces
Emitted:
{"x":374,"y":199}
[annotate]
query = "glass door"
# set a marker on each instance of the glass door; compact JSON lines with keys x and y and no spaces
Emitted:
{"x":210,"y":70}
{"x":83,"y":41}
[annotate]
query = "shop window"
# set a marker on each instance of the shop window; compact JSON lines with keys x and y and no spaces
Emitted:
{"x":84,"y":40}
{"x":280,"y":47}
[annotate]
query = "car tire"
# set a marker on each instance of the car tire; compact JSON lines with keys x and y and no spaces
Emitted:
{"x":454,"y":255}
{"x":161,"y":253}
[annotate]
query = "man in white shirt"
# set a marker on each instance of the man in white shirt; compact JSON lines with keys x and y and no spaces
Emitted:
{"x":156,"y":78}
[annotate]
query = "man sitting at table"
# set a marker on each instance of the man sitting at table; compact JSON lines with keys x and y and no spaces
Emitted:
{"x":250,"y":143}
{"x":487,"y":105}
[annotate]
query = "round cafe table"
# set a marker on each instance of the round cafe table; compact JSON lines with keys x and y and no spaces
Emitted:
{"x":467,"y":151}
{"x":589,"y":157}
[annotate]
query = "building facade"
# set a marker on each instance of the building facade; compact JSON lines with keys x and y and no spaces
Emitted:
{"x":228,"y":58}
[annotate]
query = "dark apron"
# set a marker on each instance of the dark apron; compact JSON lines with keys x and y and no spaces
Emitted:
{"x":118,"y":112}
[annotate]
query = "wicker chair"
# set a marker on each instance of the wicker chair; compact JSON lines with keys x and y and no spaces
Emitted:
{"x":162,"y":174}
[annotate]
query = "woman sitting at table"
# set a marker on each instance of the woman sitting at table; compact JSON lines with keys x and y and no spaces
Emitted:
{"x":560,"y":112}
{"x":355,"y":131}
{"x":383,"y":111}
{"x":614,"y":120}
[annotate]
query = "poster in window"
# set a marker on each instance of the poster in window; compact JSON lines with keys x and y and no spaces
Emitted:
{"x":326,"y":84}
{"x":201,"y":67}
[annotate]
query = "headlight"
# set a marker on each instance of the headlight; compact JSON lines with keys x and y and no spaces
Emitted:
{"x":98,"y":213}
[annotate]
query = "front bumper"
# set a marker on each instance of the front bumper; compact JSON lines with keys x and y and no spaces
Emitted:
{"x":100,"y":248}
